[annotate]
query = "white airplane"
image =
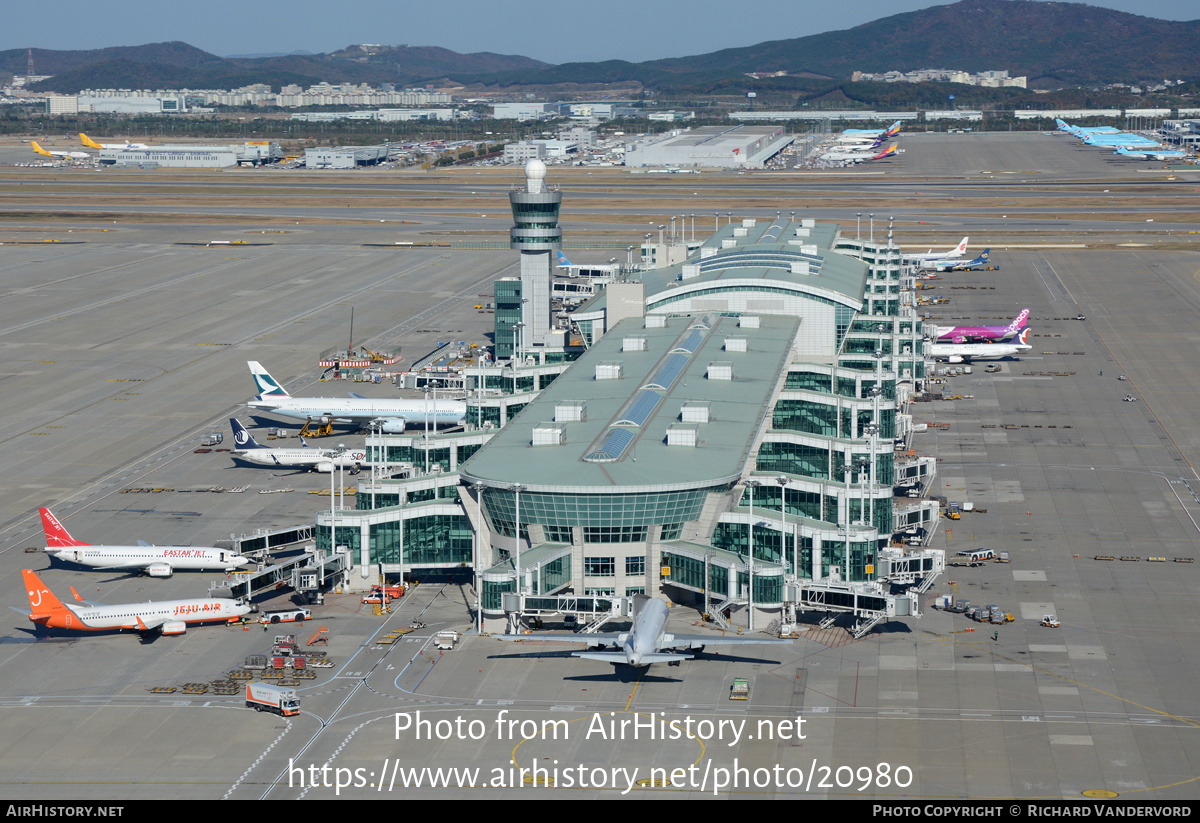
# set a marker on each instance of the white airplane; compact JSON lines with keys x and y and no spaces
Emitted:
{"x":391,"y":415}
{"x":860,"y":156}
{"x":156,"y":561}
{"x":92,"y":144}
{"x":983,"y":259}
{"x":67,"y":155}
{"x":167,"y":616}
{"x":954,"y":253}
{"x":890,"y":131}
{"x":318,"y":460}
{"x":966,"y":352}
{"x":643,"y":644}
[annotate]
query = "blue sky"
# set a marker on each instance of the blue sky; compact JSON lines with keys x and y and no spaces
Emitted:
{"x":551,"y":30}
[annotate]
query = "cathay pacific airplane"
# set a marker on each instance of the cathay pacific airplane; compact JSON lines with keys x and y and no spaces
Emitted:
{"x":976,"y":334}
{"x":156,"y":561}
{"x":391,"y":415}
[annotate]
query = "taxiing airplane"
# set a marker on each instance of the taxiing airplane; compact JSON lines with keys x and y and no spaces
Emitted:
{"x":1149,"y":154}
{"x":976,"y":334}
{"x":318,"y":460}
{"x":391,"y":415}
{"x":966,"y":352}
{"x":156,"y":561}
{"x":92,"y":144}
{"x":67,"y":155}
{"x":959,"y":265}
{"x":954,"y":253}
{"x":646,"y":640}
{"x":167,"y":616}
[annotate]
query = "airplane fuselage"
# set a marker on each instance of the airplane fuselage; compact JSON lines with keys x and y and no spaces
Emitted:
{"x":144,"y":557}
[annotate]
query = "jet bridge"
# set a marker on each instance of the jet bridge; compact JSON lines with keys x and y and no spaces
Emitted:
{"x":592,"y":612}
{"x":868,"y":602}
{"x":303,"y":573}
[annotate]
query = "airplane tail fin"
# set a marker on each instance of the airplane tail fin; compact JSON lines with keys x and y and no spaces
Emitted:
{"x":961,"y":248}
{"x":89,"y":142}
{"x":56,"y":536}
{"x":563,"y":262}
{"x":42,"y":602}
{"x":894,"y":129}
{"x":39,"y":150}
{"x":242,"y":438}
{"x":1018,"y":322}
{"x":1022,"y":337}
{"x":267,"y":385}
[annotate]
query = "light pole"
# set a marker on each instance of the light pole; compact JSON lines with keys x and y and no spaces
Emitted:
{"x":782,"y":481}
{"x":478,"y":489}
{"x":517,"y":488}
{"x":751,"y":485}
{"x":516,"y":358}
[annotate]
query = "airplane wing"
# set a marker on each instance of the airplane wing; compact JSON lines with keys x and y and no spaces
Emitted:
{"x":143,"y":544}
{"x":356,"y":395}
{"x":79,"y":599}
{"x":152,"y":624}
{"x":695,"y":641}
{"x":598,"y":639}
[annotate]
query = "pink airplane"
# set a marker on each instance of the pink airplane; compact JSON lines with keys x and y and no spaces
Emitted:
{"x":969,"y":334}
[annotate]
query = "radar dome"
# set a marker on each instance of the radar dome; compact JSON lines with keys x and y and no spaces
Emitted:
{"x":535,"y":170}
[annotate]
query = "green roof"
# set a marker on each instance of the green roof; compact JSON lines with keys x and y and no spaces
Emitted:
{"x":622,"y":445}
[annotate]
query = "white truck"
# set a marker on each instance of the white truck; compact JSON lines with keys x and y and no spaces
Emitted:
{"x":264,"y":697}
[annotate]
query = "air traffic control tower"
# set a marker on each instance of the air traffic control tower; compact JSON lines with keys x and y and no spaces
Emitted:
{"x":536,"y":235}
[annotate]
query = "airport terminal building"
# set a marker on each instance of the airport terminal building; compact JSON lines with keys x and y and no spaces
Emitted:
{"x":727,"y":438}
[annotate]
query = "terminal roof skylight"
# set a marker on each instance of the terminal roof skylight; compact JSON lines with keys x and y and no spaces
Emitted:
{"x":612,"y":447}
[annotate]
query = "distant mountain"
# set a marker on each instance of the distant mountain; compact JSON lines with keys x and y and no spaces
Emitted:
{"x":1053,"y":44}
{"x":178,"y":65}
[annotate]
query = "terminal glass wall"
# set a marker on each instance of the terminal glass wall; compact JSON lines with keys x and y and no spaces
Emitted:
{"x":433,"y":539}
{"x":611,"y":517}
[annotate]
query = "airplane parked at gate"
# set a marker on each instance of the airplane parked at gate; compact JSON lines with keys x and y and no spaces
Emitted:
{"x":976,"y":334}
{"x":392,"y":416}
{"x":646,"y":641}
{"x":959,"y":265}
{"x":167,"y":616}
{"x":954,"y":253}
{"x":966,"y":352}
{"x":156,"y":561}
{"x":318,"y":460}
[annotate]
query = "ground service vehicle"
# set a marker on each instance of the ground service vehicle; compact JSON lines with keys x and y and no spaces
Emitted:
{"x":740,"y":690}
{"x":264,"y":697}
{"x":286,"y":616}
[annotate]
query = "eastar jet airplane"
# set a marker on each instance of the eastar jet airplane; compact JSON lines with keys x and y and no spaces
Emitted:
{"x":167,"y":616}
{"x":959,"y":265}
{"x":92,"y":144}
{"x":966,"y":352}
{"x":1149,"y":154}
{"x":931,"y":255}
{"x":644,"y":643}
{"x":68,"y":155}
{"x":156,"y":561}
{"x":978,"y":334}
{"x":318,"y":460}
{"x":392,"y":415}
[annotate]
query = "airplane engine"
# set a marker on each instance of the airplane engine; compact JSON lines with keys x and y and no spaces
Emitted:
{"x":174,"y":627}
{"x":323,"y":468}
{"x":393,"y":425}
{"x":954,"y":358}
{"x":326,"y":420}
{"x":159,"y":570}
